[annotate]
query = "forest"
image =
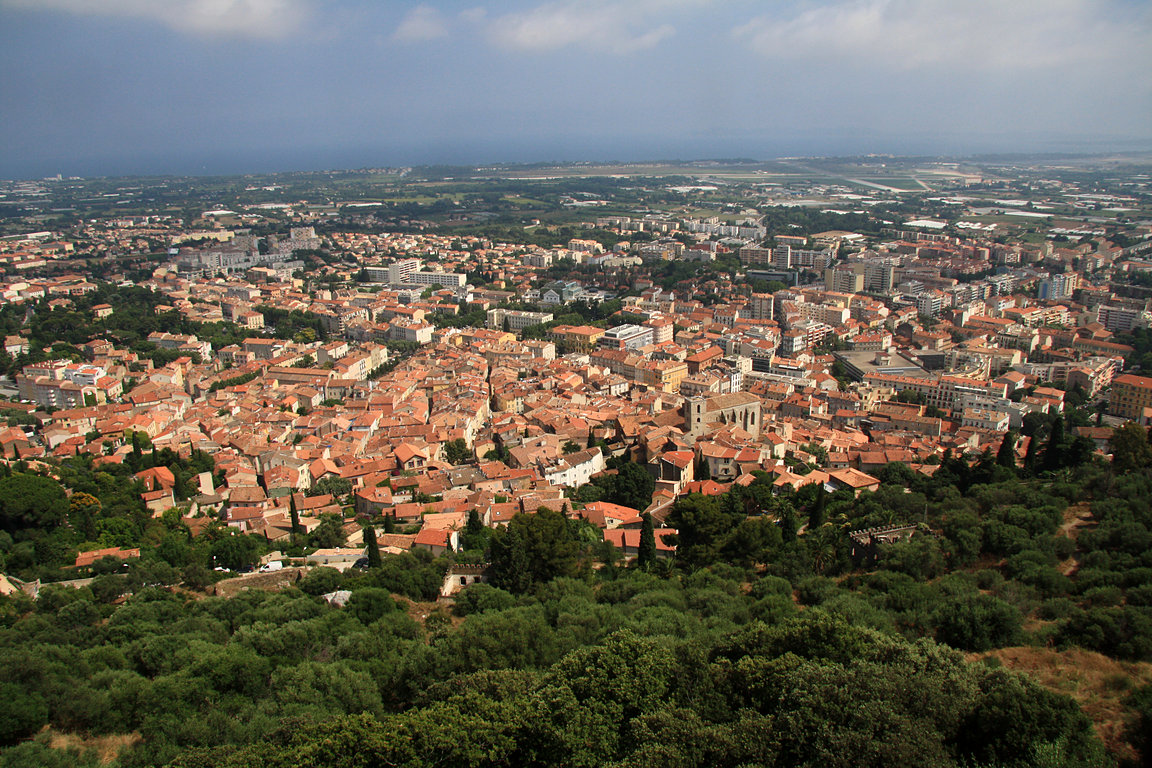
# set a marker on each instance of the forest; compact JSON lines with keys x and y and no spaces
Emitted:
{"x":767,"y":640}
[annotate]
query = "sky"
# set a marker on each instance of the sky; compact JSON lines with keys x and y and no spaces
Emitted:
{"x":121,"y":87}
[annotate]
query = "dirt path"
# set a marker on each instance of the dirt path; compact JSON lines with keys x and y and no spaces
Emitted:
{"x":1077,"y":517}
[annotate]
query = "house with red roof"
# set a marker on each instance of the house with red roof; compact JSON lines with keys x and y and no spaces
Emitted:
{"x":627,"y":540}
{"x":604,"y":515}
{"x":853,"y":479}
{"x":85,"y":559}
{"x":437,"y":540}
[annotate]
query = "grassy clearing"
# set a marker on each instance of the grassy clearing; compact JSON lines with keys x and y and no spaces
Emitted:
{"x":107,"y":747}
{"x":1099,"y":684}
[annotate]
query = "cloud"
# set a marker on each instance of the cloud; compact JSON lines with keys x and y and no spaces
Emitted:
{"x":619,"y":26}
{"x":261,"y":19}
{"x":975,"y":34}
{"x":421,"y":23}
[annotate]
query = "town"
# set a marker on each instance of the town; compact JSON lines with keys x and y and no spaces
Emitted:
{"x":431,"y":376}
{"x":758,"y":392}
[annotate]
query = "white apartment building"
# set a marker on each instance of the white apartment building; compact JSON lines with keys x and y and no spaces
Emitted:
{"x":402,"y":270}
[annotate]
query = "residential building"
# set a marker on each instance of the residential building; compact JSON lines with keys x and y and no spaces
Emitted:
{"x":1131,"y":398}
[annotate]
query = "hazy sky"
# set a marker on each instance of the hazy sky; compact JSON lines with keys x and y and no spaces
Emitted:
{"x":156,"y":86}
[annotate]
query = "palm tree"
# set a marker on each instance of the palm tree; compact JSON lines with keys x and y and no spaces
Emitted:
{"x":823,"y":553}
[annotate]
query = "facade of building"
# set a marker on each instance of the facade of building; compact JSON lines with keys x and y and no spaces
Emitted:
{"x":517,"y":320}
{"x":400,"y":271}
{"x":626,"y":337}
{"x":1131,"y":398}
{"x":739,"y":408}
{"x":1120,"y":319}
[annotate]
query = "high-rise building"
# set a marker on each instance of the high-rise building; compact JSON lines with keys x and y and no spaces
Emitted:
{"x":845,"y":278}
{"x":760,"y":306}
{"x":1057,"y":287}
{"x":879,"y":276}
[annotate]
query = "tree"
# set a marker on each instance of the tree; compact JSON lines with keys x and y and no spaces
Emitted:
{"x":474,"y":526}
{"x":1006,"y":456}
{"x":976,"y":622}
{"x":478,"y":598}
{"x":136,"y":458}
{"x":632,"y":486}
{"x":534,"y":549}
{"x":474,"y":537}
{"x":336,"y":486}
{"x":22,"y":713}
{"x":818,"y":514}
{"x":1054,"y":449}
{"x":911,"y":396}
{"x":1032,"y":455}
{"x":703,"y":470}
{"x":646,"y":553}
{"x":236,"y":552}
{"x":1034,"y":424}
{"x":293,"y":518}
{"x":31,"y":502}
{"x":510,"y":568}
{"x":321,"y":581}
{"x":329,"y":533}
{"x":457,"y":451}
{"x":1130,"y":448}
{"x":788,"y":525}
{"x":83,"y":512}
{"x":371,"y":604}
{"x":373,"y":547}
{"x":1014,"y":719}
{"x":703,"y":528}
{"x":1140,"y":731}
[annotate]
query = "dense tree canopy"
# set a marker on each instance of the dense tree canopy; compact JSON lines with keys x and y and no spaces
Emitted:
{"x":774,"y":637}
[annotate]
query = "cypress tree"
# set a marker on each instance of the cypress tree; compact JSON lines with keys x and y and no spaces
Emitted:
{"x":293,"y":517}
{"x":816,"y":517}
{"x":373,"y":547}
{"x":788,"y":526}
{"x":1054,"y":450}
{"x":1006,"y":456}
{"x":646,"y":552}
{"x":389,"y":523}
{"x":475,"y":526}
{"x":703,"y":471}
{"x":1031,"y":455}
{"x":137,"y":457}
